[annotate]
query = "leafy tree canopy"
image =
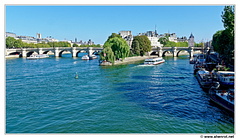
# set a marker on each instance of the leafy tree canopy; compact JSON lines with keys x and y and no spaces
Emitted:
{"x":10,"y":42}
{"x":228,"y":18}
{"x":113,"y":36}
{"x":163,"y":40}
{"x":135,"y":47}
{"x":223,"y":40}
{"x":107,"y":54}
{"x":143,"y":42}
{"x":119,"y":47}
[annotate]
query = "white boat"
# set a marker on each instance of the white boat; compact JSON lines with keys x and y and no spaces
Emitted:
{"x":85,"y":57}
{"x":92,"y":57}
{"x":154,"y":61}
{"x":223,"y":97}
{"x":225,"y":78}
{"x":37,"y":56}
{"x":204,"y":78}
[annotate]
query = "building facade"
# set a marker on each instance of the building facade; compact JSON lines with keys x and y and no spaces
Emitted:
{"x":191,"y":41}
{"x":127,"y":36}
{"x":10,"y":34}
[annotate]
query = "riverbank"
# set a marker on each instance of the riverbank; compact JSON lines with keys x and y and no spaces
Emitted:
{"x":11,"y":56}
{"x":132,"y":59}
{"x":139,"y":58}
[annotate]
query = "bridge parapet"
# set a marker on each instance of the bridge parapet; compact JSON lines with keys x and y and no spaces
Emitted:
{"x":160,"y":51}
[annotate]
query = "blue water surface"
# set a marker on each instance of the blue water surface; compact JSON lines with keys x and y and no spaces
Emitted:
{"x":42,"y":96}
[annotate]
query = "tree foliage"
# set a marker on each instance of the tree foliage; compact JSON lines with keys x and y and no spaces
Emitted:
{"x":176,"y":44}
{"x":10,"y":42}
{"x":75,"y":45}
{"x":143,"y":42}
{"x":135,"y":47}
{"x":223,"y":40}
{"x":198,"y":44}
{"x":113,"y":35}
{"x":107,"y":54}
{"x":163,"y":40}
{"x":166,"y":43}
{"x":119,"y":47}
{"x":228,"y":18}
{"x":114,"y":48}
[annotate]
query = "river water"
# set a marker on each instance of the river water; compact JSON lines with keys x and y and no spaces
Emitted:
{"x":42,"y":96}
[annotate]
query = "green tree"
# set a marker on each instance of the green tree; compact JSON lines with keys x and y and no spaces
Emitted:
{"x":171,"y":44}
{"x":119,"y":47}
{"x":42,"y":45}
{"x":163,"y":40}
{"x":228,"y":19}
{"x":10,"y":42}
{"x":107,"y":54}
{"x":144,"y":44}
{"x":18,"y":43}
{"x":223,"y":41}
{"x":29,"y":45}
{"x":135,"y":47}
{"x":75,"y":45}
{"x":216,"y":41}
{"x":113,"y":36}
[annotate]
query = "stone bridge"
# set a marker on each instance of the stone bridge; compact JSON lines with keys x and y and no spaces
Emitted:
{"x":25,"y":52}
{"x":160,"y":51}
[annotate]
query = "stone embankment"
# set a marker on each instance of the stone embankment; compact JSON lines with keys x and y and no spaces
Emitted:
{"x":131,"y":59}
{"x":127,"y":60}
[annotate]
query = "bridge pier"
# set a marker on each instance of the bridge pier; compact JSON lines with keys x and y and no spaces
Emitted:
{"x":160,"y":52}
{"x":174,"y":51}
{"x":190,"y":51}
{"x":74,"y":52}
{"x":56,"y":52}
{"x":40,"y":51}
{"x":90,"y":51}
{"x":24,"y":52}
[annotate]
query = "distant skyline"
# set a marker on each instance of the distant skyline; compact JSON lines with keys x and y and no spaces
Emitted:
{"x":98,"y":22}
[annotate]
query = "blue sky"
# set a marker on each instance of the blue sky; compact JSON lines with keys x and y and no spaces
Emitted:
{"x":98,"y":22}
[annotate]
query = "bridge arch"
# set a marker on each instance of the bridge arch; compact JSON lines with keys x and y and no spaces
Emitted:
{"x":46,"y":52}
{"x":153,"y":53}
{"x":167,"y":51}
{"x":80,"y":51}
{"x":182,"y":51}
{"x":30,"y":53}
{"x":15,"y":53}
{"x":61,"y":52}
{"x":95,"y":51}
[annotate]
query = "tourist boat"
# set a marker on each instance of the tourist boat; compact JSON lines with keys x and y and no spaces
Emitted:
{"x":225,"y":78}
{"x":85,"y":57}
{"x":193,"y":59}
{"x":205,"y":78}
{"x":197,"y":66}
{"x":154,"y":61}
{"x":201,"y":58}
{"x":93,"y":57}
{"x":224,"y":97}
{"x":37,"y":56}
{"x":200,"y":63}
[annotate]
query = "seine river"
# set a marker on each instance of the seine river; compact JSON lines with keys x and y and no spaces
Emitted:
{"x":42,"y":96}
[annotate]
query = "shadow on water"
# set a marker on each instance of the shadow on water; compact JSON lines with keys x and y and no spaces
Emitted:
{"x":171,"y":91}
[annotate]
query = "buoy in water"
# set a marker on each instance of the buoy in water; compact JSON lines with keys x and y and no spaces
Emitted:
{"x":76,"y":75}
